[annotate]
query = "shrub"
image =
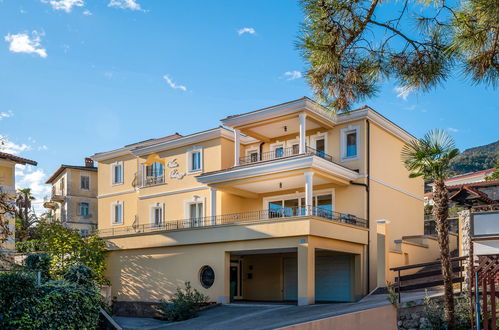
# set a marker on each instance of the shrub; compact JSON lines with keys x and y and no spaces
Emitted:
{"x":184,"y":305}
{"x":52,"y":305}
{"x":434,"y":313}
{"x":39,"y":263}
{"x":80,"y":274}
{"x":17,"y":300}
{"x":66,"y":305}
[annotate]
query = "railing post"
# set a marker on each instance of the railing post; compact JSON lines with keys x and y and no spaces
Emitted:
{"x":398,"y":283}
{"x":477,"y":301}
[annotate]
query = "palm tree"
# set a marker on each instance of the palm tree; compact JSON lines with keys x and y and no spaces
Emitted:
{"x":25,"y":216}
{"x":429,"y":157}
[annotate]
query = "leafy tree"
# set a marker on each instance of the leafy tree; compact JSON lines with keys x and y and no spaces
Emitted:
{"x":67,"y":248}
{"x":352,"y":45}
{"x":495,"y":174}
{"x":429,"y":157}
{"x":7,"y":212}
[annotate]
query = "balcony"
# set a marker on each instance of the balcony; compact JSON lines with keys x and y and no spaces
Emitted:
{"x":251,"y":217}
{"x":282,"y":153}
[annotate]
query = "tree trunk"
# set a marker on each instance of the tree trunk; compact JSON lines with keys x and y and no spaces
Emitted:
{"x":441,"y":213}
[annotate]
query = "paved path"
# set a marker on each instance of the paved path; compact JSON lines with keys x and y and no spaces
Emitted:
{"x":262,"y":316}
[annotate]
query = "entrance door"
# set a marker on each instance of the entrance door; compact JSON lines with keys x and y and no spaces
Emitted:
{"x":235,"y":280}
{"x":333,"y":278}
{"x":290,"y":268}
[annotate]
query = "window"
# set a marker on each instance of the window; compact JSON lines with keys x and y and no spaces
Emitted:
{"x":61,"y":186}
{"x":194,"y":210}
{"x":206,"y":276}
{"x":253,"y":156}
{"x":154,"y":174}
{"x":117,"y":173}
{"x":296,"y":149}
{"x":85,"y":182}
{"x":117,"y":213}
{"x":195,"y":160}
{"x":349,"y":143}
{"x":320,"y":146}
{"x":157,"y":213}
{"x":292,"y":205}
{"x":352,"y":144}
{"x":279,"y":152}
{"x":84,"y":209}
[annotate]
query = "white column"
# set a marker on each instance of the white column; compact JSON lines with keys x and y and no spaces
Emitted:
{"x":303,"y":132}
{"x":236,"y":147}
{"x":213,"y":205}
{"x":309,"y":191}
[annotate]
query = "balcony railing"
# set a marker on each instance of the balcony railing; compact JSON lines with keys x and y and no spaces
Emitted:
{"x":276,"y":214}
{"x":281,"y":153}
{"x":152,"y":180}
{"x":430,"y":226}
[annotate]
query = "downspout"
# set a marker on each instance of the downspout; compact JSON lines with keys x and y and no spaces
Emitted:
{"x":260,"y":149}
{"x":368,"y":201}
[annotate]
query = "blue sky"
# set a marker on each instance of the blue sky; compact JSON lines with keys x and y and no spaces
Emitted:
{"x":83,"y":76}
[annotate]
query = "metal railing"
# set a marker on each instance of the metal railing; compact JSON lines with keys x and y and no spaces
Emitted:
{"x":152,"y":180}
{"x":281,"y":153}
{"x":430,"y":226}
{"x":275,"y":214}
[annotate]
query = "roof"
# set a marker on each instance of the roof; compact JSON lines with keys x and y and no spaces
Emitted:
{"x":470,"y":193}
{"x":17,"y":159}
{"x":486,"y":183}
{"x":63,"y":167}
{"x":470,"y":174}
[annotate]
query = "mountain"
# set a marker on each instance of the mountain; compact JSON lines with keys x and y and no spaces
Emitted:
{"x":476,"y":159}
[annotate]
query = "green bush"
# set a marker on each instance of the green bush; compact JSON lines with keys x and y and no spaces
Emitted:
{"x":18,"y":298}
{"x":81,"y":275}
{"x":66,"y":305}
{"x":184,"y":305}
{"x":39,"y":263}
{"x":434,"y":313}
{"x":53,"y":305}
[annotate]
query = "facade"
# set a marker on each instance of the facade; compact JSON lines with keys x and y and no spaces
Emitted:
{"x":286,"y":203}
{"x":8,"y":164}
{"x":74,"y":196}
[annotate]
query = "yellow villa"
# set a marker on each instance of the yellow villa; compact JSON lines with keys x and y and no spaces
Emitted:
{"x":285,"y":203}
{"x":8,"y":164}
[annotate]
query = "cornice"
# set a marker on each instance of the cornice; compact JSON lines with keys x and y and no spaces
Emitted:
{"x":278,"y":167}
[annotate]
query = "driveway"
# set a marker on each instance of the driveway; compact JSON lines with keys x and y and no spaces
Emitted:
{"x":261,"y":316}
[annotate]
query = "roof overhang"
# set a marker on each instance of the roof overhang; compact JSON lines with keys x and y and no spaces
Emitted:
{"x":304,"y":104}
{"x":17,"y":159}
{"x":279,"y":167}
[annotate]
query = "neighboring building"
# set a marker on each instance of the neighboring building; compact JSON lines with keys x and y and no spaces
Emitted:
{"x":287,"y":203}
{"x":74,"y":196}
{"x":8,"y":164}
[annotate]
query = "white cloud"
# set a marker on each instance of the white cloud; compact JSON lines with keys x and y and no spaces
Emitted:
{"x":87,"y":12}
{"x":125,"y":4}
{"x":6,"y":114}
{"x":28,"y":176}
{"x":22,"y":43}
{"x":170,"y":83}
{"x":246,"y":30}
{"x":452,"y":129}
{"x":292,"y":75}
{"x":12,"y":148}
{"x":65,"y":5}
{"x":403,"y":92}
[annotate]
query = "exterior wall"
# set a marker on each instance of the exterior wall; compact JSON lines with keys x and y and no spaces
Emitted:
{"x":7,"y":175}
{"x":151,"y":274}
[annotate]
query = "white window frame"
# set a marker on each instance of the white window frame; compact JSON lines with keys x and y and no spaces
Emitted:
{"x":189,"y":154}
{"x":187,"y":207}
{"x":152,"y":214}
{"x":89,"y":183}
{"x":299,"y":196}
{"x":343,"y":142}
{"x":113,"y":220}
{"x":290,"y":143}
{"x":252,"y":150}
{"x":319,"y":136}
{"x":113,"y":165}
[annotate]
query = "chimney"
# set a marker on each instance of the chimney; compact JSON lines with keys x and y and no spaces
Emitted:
{"x":89,"y":162}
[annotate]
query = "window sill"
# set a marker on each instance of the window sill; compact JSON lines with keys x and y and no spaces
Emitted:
{"x":347,"y":159}
{"x":116,"y":223}
{"x":116,"y":184}
{"x":195,"y":172}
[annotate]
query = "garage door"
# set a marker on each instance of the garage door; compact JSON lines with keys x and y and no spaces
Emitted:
{"x":290,"y":278}
{"x":333,"y":278}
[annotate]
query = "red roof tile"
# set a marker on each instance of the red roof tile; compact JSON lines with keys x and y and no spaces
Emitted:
{"x":17,"y":159}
